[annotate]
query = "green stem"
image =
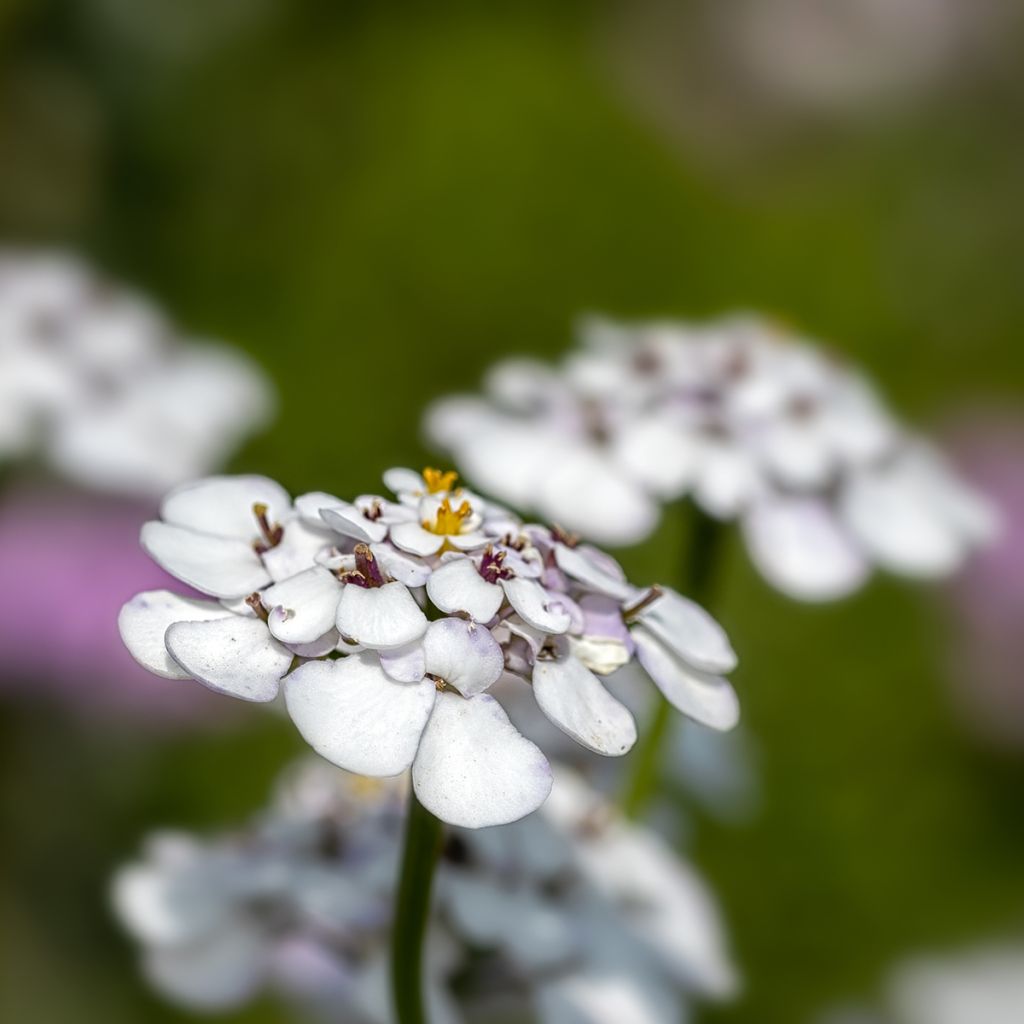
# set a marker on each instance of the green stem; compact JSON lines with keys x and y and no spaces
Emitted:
{"x":704,"y":545}
{"x":423,"y":836}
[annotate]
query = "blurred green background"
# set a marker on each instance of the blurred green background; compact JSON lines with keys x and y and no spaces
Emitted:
{"x":377,"y":201}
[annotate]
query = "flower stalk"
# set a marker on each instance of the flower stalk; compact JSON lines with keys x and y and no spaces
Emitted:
{"x":704,"y":544}
{"x":422,"y":846}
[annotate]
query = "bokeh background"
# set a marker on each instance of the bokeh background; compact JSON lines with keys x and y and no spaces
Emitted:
{"x":377,"y":201}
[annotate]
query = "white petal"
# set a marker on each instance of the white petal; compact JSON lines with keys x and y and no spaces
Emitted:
{"x":351,"y":713}
{"x":309,"y":505}
{"x":143,"y":621}
{"x":658,"y":454}
{"x":457,"y":586}
{"x":463,"y":654}
{"x":349,"y":521}
{"x":474,"y":769}
{"x":799,"y":547}
{"x":303,"y":607}
{"x":399,"y":480}
{"x":222,"y":505}
{"x":690,"y":631}
{"x":317,"y":648}
{"x":576,"y":701}
{"x":593,"y":996}
{"x":413,"y":538}
{"x":705,"y":698}
{"x":218,"y":566}
{"x":536,"y":606}
{"x":727,"y":480}
{"x":406,"y":664}
{"x":400,"y":566}
{"x":798,"y":453}
{"x":575,"y":562}
{"x":235,"y":656}
{"x":585,"y":492}
{"x":298,"y":549}
{"x":380,"y":617}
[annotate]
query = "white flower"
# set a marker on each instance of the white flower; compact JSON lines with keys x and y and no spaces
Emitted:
{"x":754,"y":425}
{"x":94,"y":378}
{"x":385,"y":657}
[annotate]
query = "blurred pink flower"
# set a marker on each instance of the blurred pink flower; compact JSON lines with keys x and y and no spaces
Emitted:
{"x":69,"y":562}
{"x":987,"y":598}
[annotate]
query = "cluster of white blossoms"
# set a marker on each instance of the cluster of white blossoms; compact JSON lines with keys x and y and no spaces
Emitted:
{"x":385,"y":622}
{"x":753,"y":424}
{"x":573,"y":912}
{"x":95,"y":381}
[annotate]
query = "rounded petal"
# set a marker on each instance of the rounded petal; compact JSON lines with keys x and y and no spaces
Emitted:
{"x":705,"y":698}
{"x":535,"y":606}
{"x":144,"y":619}
{"x":658,"y":454}
{"x":303,"y":607}
{"x":300,"y":544}
{"x":690,"y":631}
{"x":349,"y":521}
{"x":308,"y":506}
{"x":352,"y":714}
{"x":380,"y":617}
{"x":218,"y":566}
{"x":399,"y":480}
{"x":576,"y":563}
{"x":400,"y":566}
{"x":405,"y":664}
{"x":576,"y":701}
{"x":235,"y":656}
{"x":413,"y":538}
{"x":222,"y":505}
{"x":727,"y":480}
{"x":457,"y":586}
{"x":474,"y":769}
{"x":799,"y":547}
{"x":463,"y":654}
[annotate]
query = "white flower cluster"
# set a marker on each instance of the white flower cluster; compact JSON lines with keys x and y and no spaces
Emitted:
{"x":94,"y":380}
{"x":753,"y":424}
{"x":586,"y":917}
{"x":385,"y":622}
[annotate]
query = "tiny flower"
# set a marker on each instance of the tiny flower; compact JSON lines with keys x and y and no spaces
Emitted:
{"x":754,"y":425}
{"x":385,"y":656}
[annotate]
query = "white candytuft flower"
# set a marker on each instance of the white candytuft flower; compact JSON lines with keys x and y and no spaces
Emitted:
{"x":754,"y":425}
{"x":386,"y":622}
{"x":575,"y":911}
{"x":94,"y":380}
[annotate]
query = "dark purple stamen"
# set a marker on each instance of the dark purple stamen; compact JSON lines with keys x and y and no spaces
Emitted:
{"x":255,"y":602}
{"x":367,"y":572}
{"x":272,"y":532}
{"x":492,"y":566}
{"x":570,"y":540}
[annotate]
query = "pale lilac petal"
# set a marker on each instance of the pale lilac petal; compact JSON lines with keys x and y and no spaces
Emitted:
{"x":572,"y":697}
{"x":234,"y":656}
{"x":798,"y":545}
{"x":411,"y":537}
{"x":457,"y":586}
{"x":352,"y":714}
{"x":144,"y":620}
{"x":218,"y":566}
{"x":536,"y":606}
{"x":380,"y":617}
{"x":223,"y":505}
{"x":303,"y":607}
{"x":317,"y":648}
{"x":706,"y":698}
{"x":462,"y":654}
{"x":578,"y":564}
{"x":687,"y":629}
{"x":406,"y":664}
{"x":474,"y":769}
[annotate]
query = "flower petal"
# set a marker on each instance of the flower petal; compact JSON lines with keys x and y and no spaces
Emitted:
{"x":457,"y":586}
{"x":304,"y":607}
{"x":706,"y":698}
{"x":690,"y":631}
{"x":406,"y":664}
{"x":222,"y":505}
{"x":300,"y":544}
{"x":413,"y":538}
{"x":535,"y":606}
{"x":575,"y":700}
{"x":799,"y":547}
{"x":352,"y":714}
{"x":400,"y":566}
{"x":218,"y":566}
{"x":380,"y":617}
{"x":577,"y":563}
{"x":474,"y":769}
{"x":349,"y":521}
{"x":144,"y":619}
{"x":399,"y":480}
{"x":235,"y":656}
{"x":463,"y":654}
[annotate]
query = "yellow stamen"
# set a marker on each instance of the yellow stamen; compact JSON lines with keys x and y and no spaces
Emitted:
{"x":437,"y":481}
{"x":448,"y":521}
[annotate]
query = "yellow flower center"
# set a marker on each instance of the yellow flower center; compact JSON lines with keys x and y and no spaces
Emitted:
{"x":437,"y":481}
{"x":448,"y":520}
